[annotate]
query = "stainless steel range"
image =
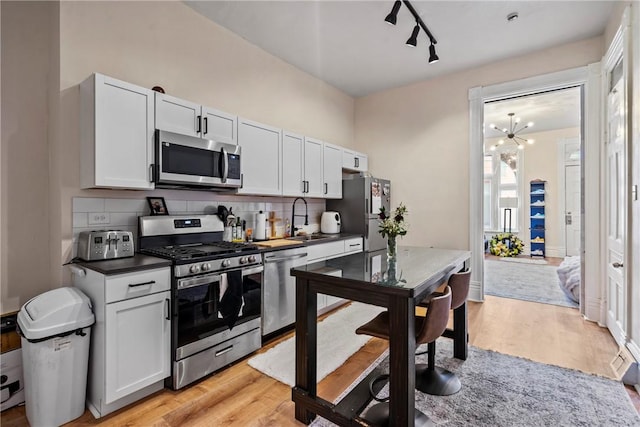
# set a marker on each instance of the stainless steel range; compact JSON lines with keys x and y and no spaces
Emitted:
{"x":216,"y":293}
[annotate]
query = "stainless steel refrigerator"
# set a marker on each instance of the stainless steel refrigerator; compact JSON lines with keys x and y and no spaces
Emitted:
{"x":362,"y":198}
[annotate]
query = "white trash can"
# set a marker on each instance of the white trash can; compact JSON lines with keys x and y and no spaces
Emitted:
{"x":55,"y":328}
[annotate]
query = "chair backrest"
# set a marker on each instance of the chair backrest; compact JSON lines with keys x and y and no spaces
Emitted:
{"x":459,"y":284}
{"x":435,"y":322}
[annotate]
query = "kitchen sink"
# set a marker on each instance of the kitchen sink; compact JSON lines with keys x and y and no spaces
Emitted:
{"x":310,"y":237}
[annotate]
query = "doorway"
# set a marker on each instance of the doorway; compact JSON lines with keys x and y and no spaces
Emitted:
{"x":531,"y":143}
{"x":588,"y":79}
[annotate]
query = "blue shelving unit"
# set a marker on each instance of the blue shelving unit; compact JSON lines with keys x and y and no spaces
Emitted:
{"x":537,"y":218}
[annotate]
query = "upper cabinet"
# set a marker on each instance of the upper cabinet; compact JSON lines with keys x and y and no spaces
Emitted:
{"x":261,"y":158}
{"x":116,"y":134}
{"x":293,"y":182}
{"x":188,"y":118}
{"x":354,"y":161}
{"x":332,"y":171}
{"x":313,"y":168}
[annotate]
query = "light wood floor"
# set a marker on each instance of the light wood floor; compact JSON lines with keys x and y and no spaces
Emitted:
{"x":242,"y":396}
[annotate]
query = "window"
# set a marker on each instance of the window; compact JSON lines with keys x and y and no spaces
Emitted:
{"x":502,"y":189}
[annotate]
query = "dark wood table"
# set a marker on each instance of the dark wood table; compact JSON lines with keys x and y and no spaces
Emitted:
{"x":370,"y":278}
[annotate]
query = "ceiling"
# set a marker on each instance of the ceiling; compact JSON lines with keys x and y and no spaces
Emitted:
{"x":558,"y":109}
{"x":348,"y":44}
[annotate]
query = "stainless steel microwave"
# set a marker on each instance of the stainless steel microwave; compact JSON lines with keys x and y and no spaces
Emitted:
{"x":187,"y":161}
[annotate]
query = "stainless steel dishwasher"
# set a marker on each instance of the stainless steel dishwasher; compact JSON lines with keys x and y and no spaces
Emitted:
{"x":279,"y":288}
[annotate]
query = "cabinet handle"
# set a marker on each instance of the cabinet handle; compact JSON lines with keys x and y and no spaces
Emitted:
{"x":355,"y":244}
{"x":326,"y":188}
{"x":135,"y":285}
{"x":356,"y":162}
{"x":224,"y":350}
{"x":617,"y":265}
{"x":168,"y":307}
{"x":198,"y":124}
{"x":305,"y":188}
{"x":206,"y":126}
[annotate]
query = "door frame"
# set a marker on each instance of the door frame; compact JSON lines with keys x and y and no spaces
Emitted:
{"x":588,"y":78}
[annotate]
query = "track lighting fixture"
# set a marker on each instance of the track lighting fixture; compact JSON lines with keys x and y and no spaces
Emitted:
{"x":413,"y":40}
{"x":433,"y":57}
{"x":391,"y":17}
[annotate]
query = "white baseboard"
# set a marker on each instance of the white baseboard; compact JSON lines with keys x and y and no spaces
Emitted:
{"x":474,"y":292}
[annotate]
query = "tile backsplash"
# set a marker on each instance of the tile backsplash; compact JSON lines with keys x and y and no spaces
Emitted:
{"x":93,"y":213}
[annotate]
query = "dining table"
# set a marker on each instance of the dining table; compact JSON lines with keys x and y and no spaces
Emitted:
{"x":398,"y":284}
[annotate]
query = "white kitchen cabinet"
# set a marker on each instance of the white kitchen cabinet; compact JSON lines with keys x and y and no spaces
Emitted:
{"x":293,"y":184}
{"x":131,"y":339}
{"x":116,"y":134}
{"x":261,"y":158}
{"x":332,"y":171}
{"x":313,"y":168}
{"x":189,"y":118}
{"x":354,"y":161}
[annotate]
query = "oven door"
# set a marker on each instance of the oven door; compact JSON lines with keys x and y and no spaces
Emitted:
{"x":191,"y":161}
{"x":214,"y":307}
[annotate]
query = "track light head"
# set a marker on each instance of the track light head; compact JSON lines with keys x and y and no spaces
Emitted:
{"x":413,"y":40}
{"x":392,"y":17}
{"x":433,"y":57}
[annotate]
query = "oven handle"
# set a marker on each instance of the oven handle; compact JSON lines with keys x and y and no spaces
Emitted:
{"x":254,"y":270}
{"x":197,"y":281}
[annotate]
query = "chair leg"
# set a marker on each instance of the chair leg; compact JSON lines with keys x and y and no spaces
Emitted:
{"x":434,"y":380}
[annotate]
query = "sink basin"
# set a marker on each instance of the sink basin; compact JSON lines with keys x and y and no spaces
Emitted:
{"x":313,"y":237}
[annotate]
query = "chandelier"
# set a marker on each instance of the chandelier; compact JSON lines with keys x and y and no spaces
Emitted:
{"x":512,"y":132}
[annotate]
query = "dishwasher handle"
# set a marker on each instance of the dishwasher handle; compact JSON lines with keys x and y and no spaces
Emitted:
{"x":269,"y":258}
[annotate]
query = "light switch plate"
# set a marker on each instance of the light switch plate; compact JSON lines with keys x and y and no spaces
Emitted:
{"x":99,"y":218}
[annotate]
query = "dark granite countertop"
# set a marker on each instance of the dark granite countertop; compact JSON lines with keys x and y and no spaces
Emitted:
{"x":413,"y":269}
{"x":138,"y":262}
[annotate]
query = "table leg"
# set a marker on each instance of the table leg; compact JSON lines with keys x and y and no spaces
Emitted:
{"x":460,"y":332}
{"x":402,"y":364}
{"x":306,"y":343}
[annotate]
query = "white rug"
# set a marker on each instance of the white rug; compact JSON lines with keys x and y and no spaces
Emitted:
{"x":337,"y":341}
{"x":524,"y":260}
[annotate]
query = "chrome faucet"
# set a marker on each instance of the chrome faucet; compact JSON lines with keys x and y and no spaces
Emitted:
{"x":293,"y":215}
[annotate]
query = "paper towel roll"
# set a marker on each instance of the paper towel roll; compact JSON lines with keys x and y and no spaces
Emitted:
{"x":260,"y":229}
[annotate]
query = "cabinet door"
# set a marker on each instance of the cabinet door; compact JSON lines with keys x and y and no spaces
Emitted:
{"x":219,"y":126}
{"x":313,"y":167}
{"x":177,"y":115}
{"x":349,"y":160}
{"x":261,"y":158}
{"x":292,"y":165}
{"x":116,"y":134}
{"x":332,"y":171}
{"x":137,"y":343}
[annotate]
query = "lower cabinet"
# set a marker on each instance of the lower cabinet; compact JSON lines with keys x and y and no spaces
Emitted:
{"x":325,"y":251}
{"x":131,"y":339}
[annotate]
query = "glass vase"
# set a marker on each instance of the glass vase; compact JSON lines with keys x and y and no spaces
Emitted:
{"x":392,"y":248}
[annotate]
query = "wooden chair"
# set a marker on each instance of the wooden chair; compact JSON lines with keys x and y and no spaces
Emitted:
{"x":428,"y":328}
{"x":431,"y":379}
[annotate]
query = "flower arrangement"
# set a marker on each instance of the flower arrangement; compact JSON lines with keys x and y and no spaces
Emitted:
{"x":505,"y":245}
{"x":392,"y":226}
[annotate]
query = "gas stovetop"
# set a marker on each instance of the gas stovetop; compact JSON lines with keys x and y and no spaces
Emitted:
{"x":199,"y":251}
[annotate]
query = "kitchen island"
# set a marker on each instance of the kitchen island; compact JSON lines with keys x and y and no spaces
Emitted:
{"x":370,"y":278}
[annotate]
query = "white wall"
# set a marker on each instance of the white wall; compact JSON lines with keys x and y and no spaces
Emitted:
{"x":145,"y":43}
{"x":418,"y":136}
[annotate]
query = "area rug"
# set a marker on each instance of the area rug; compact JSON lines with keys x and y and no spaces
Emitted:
{"x":528,"y":282}
{"x":524,"y":260}
{"x":337,"y":341}
{"x":501,"y":390}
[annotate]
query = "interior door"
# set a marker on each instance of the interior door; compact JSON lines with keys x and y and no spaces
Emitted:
{"x":615,"y":206}
{"x":572,"y":209}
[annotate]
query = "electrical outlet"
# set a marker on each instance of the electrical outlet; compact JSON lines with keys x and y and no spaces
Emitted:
{"x":99,"y":218}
